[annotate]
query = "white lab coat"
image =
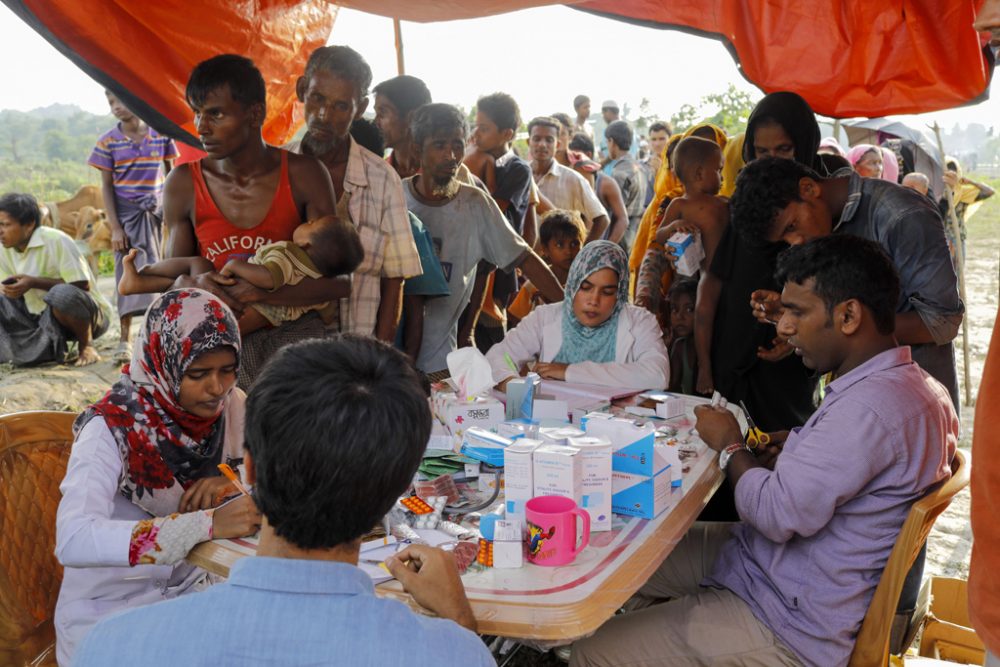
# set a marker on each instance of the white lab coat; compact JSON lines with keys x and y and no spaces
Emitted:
{"x":641,"y":359}
{"x":93,"y":534}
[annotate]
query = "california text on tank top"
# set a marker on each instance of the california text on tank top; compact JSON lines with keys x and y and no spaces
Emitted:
{"x":220,"y":241}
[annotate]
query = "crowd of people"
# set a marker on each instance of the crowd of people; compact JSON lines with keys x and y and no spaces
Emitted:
{"x":826,"y":296}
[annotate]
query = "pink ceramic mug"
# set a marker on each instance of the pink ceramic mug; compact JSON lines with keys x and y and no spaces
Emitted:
{"x":552,"y":531}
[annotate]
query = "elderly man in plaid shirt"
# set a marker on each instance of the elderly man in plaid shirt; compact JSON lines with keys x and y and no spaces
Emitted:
{"x":334,"y":91}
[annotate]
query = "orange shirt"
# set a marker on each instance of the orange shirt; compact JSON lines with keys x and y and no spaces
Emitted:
{"x":984,"y":584}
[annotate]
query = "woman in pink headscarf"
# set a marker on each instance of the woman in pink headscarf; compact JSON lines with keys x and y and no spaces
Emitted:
{"x":866,"y":160}
{"x":890,"y":166}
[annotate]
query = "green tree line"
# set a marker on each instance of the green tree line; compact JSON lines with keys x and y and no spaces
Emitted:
{"x":44,"y":151}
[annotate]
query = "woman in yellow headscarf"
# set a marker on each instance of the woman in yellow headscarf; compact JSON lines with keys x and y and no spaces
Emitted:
{"x":966,"y":196}
{"x":667,"y":186}
{"x":732,"y":163}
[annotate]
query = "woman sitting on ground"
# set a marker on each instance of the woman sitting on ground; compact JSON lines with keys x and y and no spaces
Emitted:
{"x":594,"y":335}
{"x":143,"y":475}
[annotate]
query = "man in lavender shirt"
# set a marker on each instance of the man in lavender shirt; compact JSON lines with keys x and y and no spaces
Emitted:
{"x":821,"y":506}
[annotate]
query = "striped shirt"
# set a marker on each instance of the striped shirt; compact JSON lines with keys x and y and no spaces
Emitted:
{"x":137,"y":168}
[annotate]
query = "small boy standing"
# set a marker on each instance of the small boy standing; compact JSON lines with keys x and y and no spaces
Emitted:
{"x":133,"y":160}
{"x":631,"y":179}
{"x":497,"y":120}
{"x":697,"y":163}
{"x":561,"y":235}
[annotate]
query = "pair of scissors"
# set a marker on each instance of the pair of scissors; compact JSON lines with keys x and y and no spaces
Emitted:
{"x":755,"y":437}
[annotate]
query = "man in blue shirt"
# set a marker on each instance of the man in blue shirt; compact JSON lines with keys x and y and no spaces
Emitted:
{"x":335,"y":430}
{"x":625,"y":169}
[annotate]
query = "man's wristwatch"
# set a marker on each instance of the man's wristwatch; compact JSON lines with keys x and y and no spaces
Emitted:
{"x":728,"y":452}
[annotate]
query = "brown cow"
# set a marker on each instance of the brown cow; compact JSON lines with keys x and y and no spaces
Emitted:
{"x":83,"y":218}
{"x":53,"y":214}
{"x":89,"y":225}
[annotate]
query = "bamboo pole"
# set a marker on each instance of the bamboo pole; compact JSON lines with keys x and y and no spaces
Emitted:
{"x":836,"y":129}
{"x":956,"y":232}
{"x":398,"y":30}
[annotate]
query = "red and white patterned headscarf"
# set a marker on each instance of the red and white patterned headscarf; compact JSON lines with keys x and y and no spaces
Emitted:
{"x":164,"y":446}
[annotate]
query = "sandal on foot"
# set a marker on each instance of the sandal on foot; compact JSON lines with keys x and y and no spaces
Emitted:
{"x":123,"y":353}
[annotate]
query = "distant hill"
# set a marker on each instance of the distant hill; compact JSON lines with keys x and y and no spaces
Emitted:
{"x":58,"y":131}
{"x":56,"y":110}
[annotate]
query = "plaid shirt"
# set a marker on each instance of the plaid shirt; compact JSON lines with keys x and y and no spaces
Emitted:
{"x":377,"y":208}
{"x":632,"y":181}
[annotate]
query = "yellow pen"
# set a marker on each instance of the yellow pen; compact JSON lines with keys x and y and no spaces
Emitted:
{"x":234,"y":478}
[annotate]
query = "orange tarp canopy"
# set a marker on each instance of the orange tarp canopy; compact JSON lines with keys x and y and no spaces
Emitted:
{"x":144,"y":51}
{"x":846,"y":57}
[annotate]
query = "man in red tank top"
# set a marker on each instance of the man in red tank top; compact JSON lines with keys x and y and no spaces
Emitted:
{"x":245,"y":194}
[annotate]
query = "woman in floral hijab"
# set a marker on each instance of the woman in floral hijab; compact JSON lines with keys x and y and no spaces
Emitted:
{"x":143,"y":480}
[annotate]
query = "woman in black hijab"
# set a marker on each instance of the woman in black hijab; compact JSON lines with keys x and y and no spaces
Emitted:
{"x":747,"y":363}
{"x":782,"y":125}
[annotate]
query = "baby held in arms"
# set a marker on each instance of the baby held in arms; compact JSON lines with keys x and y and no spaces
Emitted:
{"x":324,"y":247}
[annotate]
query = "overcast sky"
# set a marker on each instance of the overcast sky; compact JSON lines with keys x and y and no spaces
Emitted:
{"x":544,"y":58}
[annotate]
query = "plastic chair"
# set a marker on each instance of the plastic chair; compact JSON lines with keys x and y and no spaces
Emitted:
{"x":34,"y":450}
{"x":871,"y":648}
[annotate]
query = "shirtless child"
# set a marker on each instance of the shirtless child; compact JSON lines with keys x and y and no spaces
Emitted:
{"x":697,"y":163}
{"x":327,"y":246}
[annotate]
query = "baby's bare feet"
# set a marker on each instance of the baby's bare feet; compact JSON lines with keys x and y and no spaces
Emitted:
{"x":129,"y":283}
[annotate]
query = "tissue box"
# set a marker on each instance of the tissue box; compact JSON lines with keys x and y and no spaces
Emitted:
{"x":508,"y":548}
{"x":557,"y":471}
{"x":688,"y":250}
{"x":519,"y":486}
{"x":595,"y":480}
{"x":457,"y":415}
{"x":640,"y":495}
